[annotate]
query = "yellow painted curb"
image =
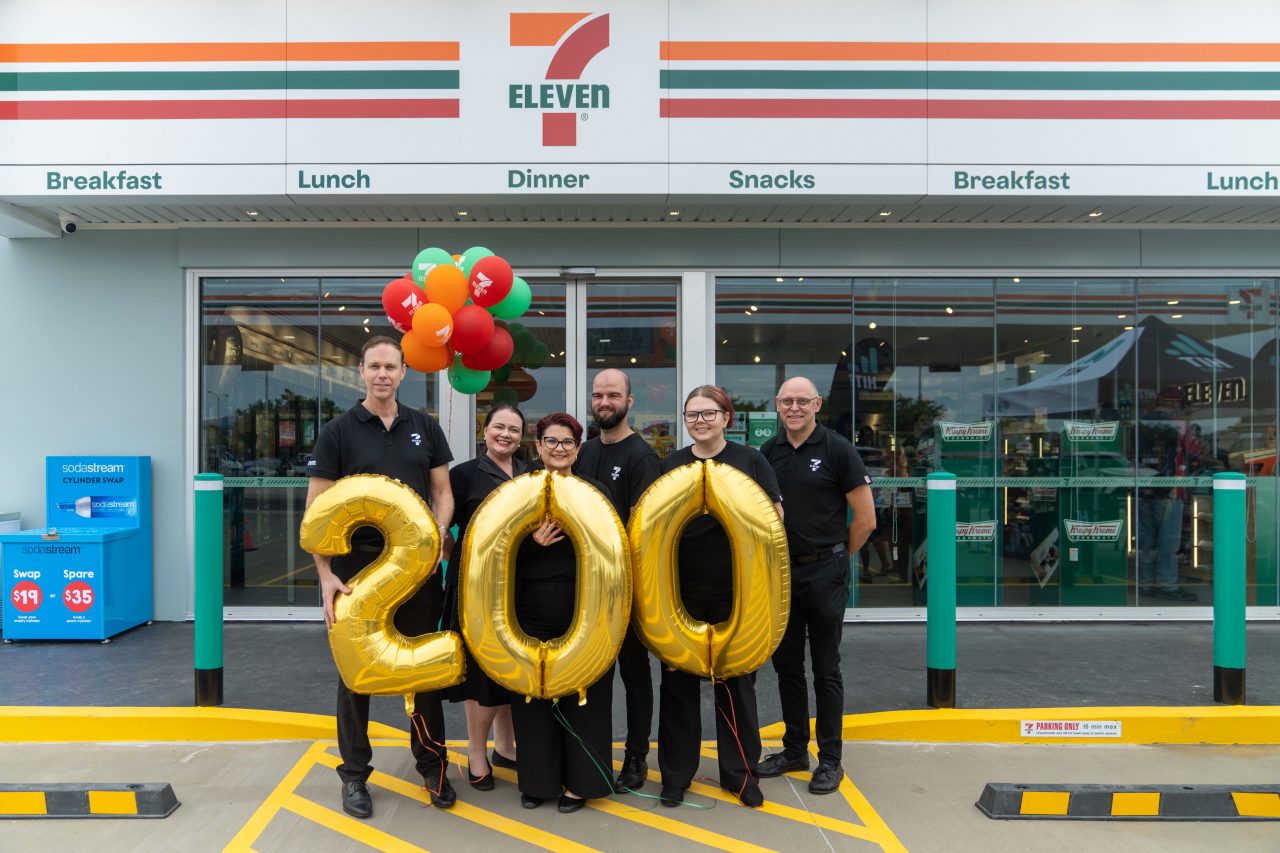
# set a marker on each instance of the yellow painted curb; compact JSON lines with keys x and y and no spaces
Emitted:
{"x":99,"y":725}
{"x":1239,"y":724}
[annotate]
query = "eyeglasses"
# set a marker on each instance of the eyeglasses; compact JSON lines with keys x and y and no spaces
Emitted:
{"x":708,"y":415}
{"x":559,"y":443}
{"x":795,"y":402}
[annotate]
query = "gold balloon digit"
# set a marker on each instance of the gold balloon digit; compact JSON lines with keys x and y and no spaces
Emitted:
{"x":372,"y":656}
{"x":761,"y":571}
{"x":486,"y":600}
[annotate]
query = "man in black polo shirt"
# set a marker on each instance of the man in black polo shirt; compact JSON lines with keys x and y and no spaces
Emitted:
{"x":627,"y":465}
{"x":380,"y":436}
{"x":820,"y":474}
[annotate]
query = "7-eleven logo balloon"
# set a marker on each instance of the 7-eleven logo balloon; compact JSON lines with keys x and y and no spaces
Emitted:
{"x":490,"y":281}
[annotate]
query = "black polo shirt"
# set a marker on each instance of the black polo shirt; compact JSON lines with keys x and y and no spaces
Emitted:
{"x":626,"y":468}
{"x":356,"y":442}
{"x":706,"y":558}
{"x":815,"y":477}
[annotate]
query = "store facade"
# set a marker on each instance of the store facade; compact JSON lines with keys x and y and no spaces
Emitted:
{"x":972,"y":241}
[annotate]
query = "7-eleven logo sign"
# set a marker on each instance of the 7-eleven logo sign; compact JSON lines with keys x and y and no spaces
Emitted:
{"x":577,"y":38}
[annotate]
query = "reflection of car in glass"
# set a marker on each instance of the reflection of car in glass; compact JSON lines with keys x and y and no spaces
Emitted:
{"x":875,"y":460}
{"x":263,"y":466}
{"x":228,"y":465}
{"x":298,"y":467}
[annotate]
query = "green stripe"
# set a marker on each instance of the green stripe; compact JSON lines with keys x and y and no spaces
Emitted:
{"x":1004,"y":80}
{"x":173,"y":81}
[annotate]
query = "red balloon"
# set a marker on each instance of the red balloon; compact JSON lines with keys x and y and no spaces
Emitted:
{"x":472,"y":329}
{"x":525,"y":385}
{"x":494,"y":355}
{"x":401,"y":299}
{"x":490,"y":281}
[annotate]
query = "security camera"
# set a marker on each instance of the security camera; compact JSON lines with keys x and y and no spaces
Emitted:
{"x":69,"y":224}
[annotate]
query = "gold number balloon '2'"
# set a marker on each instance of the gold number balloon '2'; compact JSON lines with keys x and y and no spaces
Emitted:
{"x":486,"y":600}
{"x":761,"y":571}
{"x":372,"y":656}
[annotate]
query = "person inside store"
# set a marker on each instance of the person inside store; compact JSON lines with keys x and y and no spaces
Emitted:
{"x":564,"y":747}
{"x":625,"y":463}
{"x":823,"y":478}
{"x":706,"y":588}
{"x":486,"y":704}
{"x":380,"y":435}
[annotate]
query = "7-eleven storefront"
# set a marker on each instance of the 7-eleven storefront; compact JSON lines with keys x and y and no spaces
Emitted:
{"x":964,"y":228}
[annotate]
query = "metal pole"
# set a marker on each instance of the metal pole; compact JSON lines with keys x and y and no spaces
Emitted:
{"x":1228,"y":588}
{"x":940,"y":587}
{"x":208,"y":589}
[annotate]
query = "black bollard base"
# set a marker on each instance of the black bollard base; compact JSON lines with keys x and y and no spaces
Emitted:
{"x":208,"y":687}
{"x":1228,"y":685}
{"x":941,"y":691}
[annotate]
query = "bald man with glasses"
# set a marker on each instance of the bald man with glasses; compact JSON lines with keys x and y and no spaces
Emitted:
{"x":821,"y":477}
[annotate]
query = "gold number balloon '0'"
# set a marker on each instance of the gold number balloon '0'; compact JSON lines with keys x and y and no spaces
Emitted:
{"x":761,"y":571}
{"x":372,"y":656}
{"x":486,"y":600}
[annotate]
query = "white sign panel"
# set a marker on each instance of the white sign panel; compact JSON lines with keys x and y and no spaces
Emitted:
{"x":1071,"y":729}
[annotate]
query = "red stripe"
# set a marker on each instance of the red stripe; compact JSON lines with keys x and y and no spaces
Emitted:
{"x":792,"y":108}
{"x":559,"y":129}
{"x":301,"y":108}
{"x":1195,"y":110}
{"x":964,"y":109}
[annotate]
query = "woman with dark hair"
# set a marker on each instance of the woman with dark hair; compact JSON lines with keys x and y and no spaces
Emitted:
{"x":706,"y":588}
{"x":565,"y":752}
{"x":485,"y":703}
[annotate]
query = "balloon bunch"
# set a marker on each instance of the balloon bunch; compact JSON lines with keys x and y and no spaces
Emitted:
{"x":451,"y":310}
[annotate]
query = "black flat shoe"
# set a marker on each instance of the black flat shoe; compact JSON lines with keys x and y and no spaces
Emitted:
{"x":529,"y":802}
{"x":779,"y":763}
{"x":569,"y":805}
{"x":672,"y":796}
{"x":483,"y":782}
{"x":751,"y":796}
{"x":356,"y":800}
{"x":443,"y":797}
{"x":500,"y":760}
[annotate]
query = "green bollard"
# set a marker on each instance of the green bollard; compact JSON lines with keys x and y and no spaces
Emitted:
{"x":940,"y":587}
{"x":1228,"y":588}
{"x":208,"y":589}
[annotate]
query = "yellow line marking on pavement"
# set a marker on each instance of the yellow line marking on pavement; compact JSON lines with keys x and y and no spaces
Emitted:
{"x":468,"y":812}
{"x":257,"y":822}
{"x":1134,"y":804}
{"x":349,"y":826}
{"x":880,"y":832}
{"x":853,"y":830}
{"x":678,"y":828}
{"x":1256,"y":805}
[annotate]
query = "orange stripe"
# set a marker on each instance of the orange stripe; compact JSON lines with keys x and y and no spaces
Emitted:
{"x":229,"y":51}
{"x":541,"y":29}
{"x":967,"y":51}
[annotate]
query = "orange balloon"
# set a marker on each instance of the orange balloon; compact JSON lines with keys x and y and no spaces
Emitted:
{"x":422,"y":357}
{"x":446,"y":285}
{"x":433,"y":324}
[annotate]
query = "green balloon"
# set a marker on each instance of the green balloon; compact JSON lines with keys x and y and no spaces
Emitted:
{"x":537,"y":356}
{"x":505,"y":394}
{"x":515,"y":303}
{"x":425,"y":261}
{"x":470,"y":256}
{"x":502,"y":374}
{"x":465,"y":380}
{"x":524,"y":344}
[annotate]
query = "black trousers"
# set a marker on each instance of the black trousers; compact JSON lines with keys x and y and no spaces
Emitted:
{"x":549,"y":757}
{"x":680,"y":718}
{"x":637,"y":681}
{"x":419,"y":615}
{"x":818,"y":595}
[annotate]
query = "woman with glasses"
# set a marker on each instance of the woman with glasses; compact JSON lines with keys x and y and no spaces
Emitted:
{"x":485,"y":703}
{"x":706,"y":587}
{"x":566,"y":749}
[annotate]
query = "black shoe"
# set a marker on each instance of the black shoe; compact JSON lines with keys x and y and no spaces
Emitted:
{"x":443,"y":797}
{"x":530,"y":802}
{"x":356,"y":800}
{"x":778,"y":763}
{"x":634,"y":772}
{"x":751,"y":796}
{"x":672,"y":796}
{"x":483,"y":782}
{"x":569,"y":805}
{"x":826,"y":779}
{"x":500,"y":760}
